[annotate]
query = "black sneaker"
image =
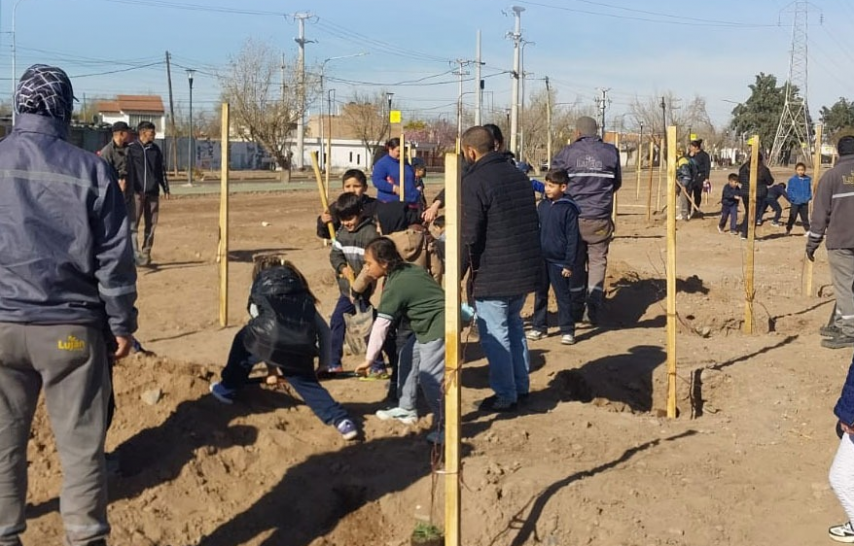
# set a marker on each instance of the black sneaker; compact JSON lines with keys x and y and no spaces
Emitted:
{"x":496,"y":404}
{"x":839,"y":342}
{"x":829,"y":331}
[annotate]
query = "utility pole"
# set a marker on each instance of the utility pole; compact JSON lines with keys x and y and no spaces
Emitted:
{"x":602,"y":102}
{"x":301,"y":41}
{"x":460,"y":72}
{"x":478,"y":84}
{"x":663,"y":131}
{"x":522,"y":101}
{"x":548,"y":124}
{"x":516,"y":35}
{"x":172,"y":131}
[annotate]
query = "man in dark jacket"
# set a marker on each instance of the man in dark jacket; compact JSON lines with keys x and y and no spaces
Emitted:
{"x":704,"y":170}
{"x":763,"y":181}
{"x":594,"y":175}
{"x":146,"y":175}
{"x":67,"y":284}
{"x":833,"y":210}
{"x":115,"y":154}
{"x":501,"y":240}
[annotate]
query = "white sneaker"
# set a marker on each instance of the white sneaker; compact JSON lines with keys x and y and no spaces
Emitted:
{"x":535,"y":335}
{"x":567,"y":339}
{"x":842,"y":533}
{"x":405,"y":416}
{"x":679,"y":217}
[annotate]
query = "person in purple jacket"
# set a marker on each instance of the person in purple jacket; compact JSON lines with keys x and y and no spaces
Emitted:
{"x":559,"y":240}
{"x":386,"y":176}
{"x":594,"y":174}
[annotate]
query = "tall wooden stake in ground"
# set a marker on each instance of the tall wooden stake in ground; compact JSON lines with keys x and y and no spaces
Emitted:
{"x":638,"y":168}
{"x":616,"y":207}
{"x":649,"y":185}
{"x":671,"y":272}
{"x":806,"y":271}
{"x":453,"y":170}
{"x":750,"y":218}
{"x":223,"y":221}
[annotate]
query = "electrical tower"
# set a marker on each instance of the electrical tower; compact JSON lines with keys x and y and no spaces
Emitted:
{"x":602,"y":104}
{"x":794,"y":126}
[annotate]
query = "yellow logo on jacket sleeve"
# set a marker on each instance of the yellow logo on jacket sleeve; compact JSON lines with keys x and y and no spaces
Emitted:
{"x":71,"y":343}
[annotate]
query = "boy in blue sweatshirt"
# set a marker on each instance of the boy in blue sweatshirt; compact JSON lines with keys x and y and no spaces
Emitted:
{"x":800,"y":195}
{"x":729,"y":204}
{"x":559,"y":238}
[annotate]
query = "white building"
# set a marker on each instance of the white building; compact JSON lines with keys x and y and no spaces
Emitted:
{"x":133,"y":109}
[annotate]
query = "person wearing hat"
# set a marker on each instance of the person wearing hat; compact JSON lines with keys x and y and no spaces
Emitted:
{"x":704,"y":171}
{"x":594,"y":175}
{"x":115,"y":154}
{"x":833,"y":209}
{"x":67,"y":290}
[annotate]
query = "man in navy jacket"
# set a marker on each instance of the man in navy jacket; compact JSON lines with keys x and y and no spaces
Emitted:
{"x":594,"y":175}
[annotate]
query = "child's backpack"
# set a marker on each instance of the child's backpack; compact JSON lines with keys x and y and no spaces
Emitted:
{"x":283,"y":333}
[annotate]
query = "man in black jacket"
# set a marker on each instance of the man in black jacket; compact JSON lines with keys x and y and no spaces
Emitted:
{"x":146,"y":175}
{"x":763,"y":181}
{"x":500,"y":238}
{"x":704,"y":171}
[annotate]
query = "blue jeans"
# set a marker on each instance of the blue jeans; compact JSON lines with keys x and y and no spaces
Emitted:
{"x":502,"y":336}
{"x":240,"y":364}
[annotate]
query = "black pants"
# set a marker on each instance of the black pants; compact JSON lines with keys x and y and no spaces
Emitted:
{"x":802,"y":210}
{"x":773,"y":204}
{"x":697,"y":196}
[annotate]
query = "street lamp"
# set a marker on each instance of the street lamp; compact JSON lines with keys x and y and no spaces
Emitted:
{"x":14,"y":61}
{"x":190,"y":150}
{"x":388,"y":97}
{"x":322,"y":69}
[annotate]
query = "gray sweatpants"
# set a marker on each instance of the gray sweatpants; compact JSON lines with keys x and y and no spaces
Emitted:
{"x":587,"y":283}
{"x":70,"y":363}
{"x":424,"y":364}
{"x":841,"y":262}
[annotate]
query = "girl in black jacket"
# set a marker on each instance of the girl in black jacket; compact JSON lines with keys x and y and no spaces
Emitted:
{"x":286,"y":332}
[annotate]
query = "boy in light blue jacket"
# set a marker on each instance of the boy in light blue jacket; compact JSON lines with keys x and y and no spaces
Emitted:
{"x":799,"y":191}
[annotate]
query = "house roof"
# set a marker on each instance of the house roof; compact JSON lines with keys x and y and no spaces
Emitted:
{"x":133,"y":103}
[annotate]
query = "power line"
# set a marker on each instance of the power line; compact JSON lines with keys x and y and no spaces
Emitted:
{"x":195,"y":7}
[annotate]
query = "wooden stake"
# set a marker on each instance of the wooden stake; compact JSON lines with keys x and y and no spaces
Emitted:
{"x":328,"y":162}
{"x":402,"y":179}
{"x":806,"y":271}
{"x":750,"y":218}
{"x":453,"y":170}
{"x":222,"y":257}
{"x":615,"y":209}
{"x":649,"y":186}
{"x":661,"y":165}
{"x":671,"y":272}
{"x":638,"y":170}
{"x":323,"y":201}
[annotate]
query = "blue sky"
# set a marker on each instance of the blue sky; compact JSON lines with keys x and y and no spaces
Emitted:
{"x":638,"y":49}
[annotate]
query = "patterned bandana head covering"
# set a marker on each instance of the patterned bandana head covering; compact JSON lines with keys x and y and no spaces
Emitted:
{"x":46,"y":91}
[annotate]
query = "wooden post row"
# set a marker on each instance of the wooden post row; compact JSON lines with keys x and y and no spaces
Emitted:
{"x":223,"y":220}
{"x":661,"y":171}
{"x":807,"y":270}
{"x":453,"y":172}
{"x":671,"y":272}
{"x":750,"y":218}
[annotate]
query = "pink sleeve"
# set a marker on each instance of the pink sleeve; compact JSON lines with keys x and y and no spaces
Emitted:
{"x":378,"y":334}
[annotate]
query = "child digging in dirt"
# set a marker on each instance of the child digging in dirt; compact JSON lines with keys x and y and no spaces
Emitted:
{"x":409,"y":292}
{"x":287,"y":332}
{"x":353,"y":181}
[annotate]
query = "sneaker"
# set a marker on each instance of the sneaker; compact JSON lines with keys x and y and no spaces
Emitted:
{"x":222,"y":393}
{"x":829,"y":331}
{"x":775,"y":223}
{"x":680,"y":217}
{"x":335,"y":369}
{"x":496,"y":404}
{"x":435,"y":437}
{"x":758,"y":222}
{"x":842,"y":533}
{"x":744,"y":237}
{"x":591,"y":315}
{"x":720,"y":229}
{"x":376,"y":374}
{"x":405,"y":416}
{"x":348,"y":429}
{"x":567,"y":339}
{"x":788,"y":231}
{"x":535,"y":335}
{"x":839,"y":342}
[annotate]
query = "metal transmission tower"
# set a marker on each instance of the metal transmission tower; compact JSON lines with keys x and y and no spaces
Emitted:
{"x":794,"y":119}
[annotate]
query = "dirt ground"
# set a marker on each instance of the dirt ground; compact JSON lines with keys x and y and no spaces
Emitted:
{"x":589,"y":460}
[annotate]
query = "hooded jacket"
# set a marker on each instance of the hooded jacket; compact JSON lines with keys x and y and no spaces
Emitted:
{"x":799,"y":190}
{"x":500,"y":229}
{"x":594,"y":175}
{"x":389,"y":167}
{"x":65,"y":251}
{"x":559,"y":233}
{"x":145,"y":170}
{"x":349,"y":249}
{"x":764,"y":180}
